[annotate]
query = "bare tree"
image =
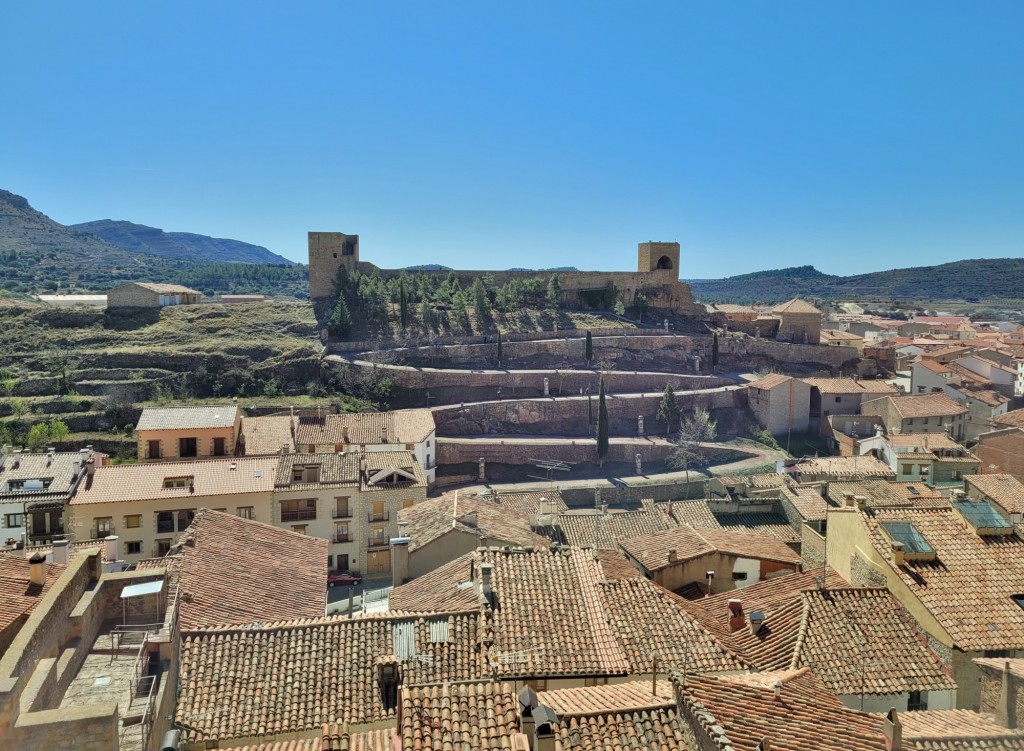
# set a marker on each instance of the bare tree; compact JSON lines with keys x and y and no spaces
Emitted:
{"x":691,"y":450}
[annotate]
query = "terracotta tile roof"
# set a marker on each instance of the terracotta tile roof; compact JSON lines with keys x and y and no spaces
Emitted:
{"x":1014,"y":664}
{"x":845,"y":466}
{"x":237,"y":571}
{"x":366,"y":428}
{"x":1005,"y":490}
{"x":934,"y":366}
{"x":759,"y":480}
{"x":294,"y":676}
{"x":770,"y":381}
{"x":478,"y":716}
{"x":739,"y":711}
{"x":647,"y":618}
{"x":879,"y":493}
{"x":266,"y":435}
{"x":838,"y":335}
{"x":807,"y":501}
{"x":381,"y":739}
{"x":18,"y":595}
{"x":433,"y":518}
{"x":925,"y":405}
{"x":140,"y":482}
{"x":615,"y":565}
{"x":529,"y":502}
{"x":687,"y":543}
{"x":957,"y":729}
{"x":296,"y":744}
{"x":796,"y":305}
{"x":927,"y":441}
{"x":605,"y":531}
{"x":702,"y":514}
{"x":187,"y":418}
{"x":969,"y":586}
{"x":1013,"y":418}
{"x":548,"y":617}
{"x":849,"y":386}
{"x":448,"y":587}
{"x":406,"y":461}
{"x":163,"y":289}
{"x":62,"y":473}
{"x":622,"y":717}
{"x":988,"y":397}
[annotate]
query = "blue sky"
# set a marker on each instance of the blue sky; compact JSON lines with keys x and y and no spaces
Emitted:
{"x":852,"y":136}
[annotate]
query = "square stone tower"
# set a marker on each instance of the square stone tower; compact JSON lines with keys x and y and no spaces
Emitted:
{"x":329,"y":251}
{"x":653,"y":256}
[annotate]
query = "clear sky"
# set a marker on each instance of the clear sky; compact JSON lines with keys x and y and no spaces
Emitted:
{"x":855,"y":136}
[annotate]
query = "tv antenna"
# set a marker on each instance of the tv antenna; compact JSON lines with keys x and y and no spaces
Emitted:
{"x":548,"y":466}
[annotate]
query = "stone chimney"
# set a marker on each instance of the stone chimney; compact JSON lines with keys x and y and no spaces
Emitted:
{"x":736,"y":619}
{"x":892,"y":729}
{"x":60,"y":552}
{"x":1005,"y":710}
{"x":37,"y":569}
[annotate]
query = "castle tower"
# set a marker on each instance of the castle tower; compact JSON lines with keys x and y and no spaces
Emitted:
{"x":329,"y":251}
{"x":662,"y":257}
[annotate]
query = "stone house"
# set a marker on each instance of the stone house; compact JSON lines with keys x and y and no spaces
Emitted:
{"x":841,"y":396}
{"x":838,"y":338}
{"x":932,"y":559}
{"x":780,"y":403}
{"x":350,"y":499}
{"x":175,"y":433}
{"x":146,"y":295}
{"x":924,"y":413}
{"x":799,"y":322}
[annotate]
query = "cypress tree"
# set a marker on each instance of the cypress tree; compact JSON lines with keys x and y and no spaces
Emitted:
{"x":499,"y":349}
{"x":589,"y":353}
{"x":602,"y":425}
{"x":714,"y":351}
{"x":403,"y":304}
{"x":668,"y":409}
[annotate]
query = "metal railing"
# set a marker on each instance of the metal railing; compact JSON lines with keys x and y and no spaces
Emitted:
{"x":342,"y":538}
{"x":382,"y":516}
{"x":298,"y":516}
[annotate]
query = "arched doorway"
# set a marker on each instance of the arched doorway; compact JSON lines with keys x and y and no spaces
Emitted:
{"x":664,"y":262}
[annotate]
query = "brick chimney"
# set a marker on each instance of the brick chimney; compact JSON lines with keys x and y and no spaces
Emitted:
{"x":736,"y":619}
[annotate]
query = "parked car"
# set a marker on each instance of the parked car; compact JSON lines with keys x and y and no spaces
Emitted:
{"x":343,"y":577}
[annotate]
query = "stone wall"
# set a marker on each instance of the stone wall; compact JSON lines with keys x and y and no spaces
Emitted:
{"x":812,"y":548}
{"x":757,"y":351}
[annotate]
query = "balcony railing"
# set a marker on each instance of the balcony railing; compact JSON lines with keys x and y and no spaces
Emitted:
{"x":342,"y":513}
{"x":298,"y":516}
{"x":342,"y":538}
{"x":382,"y":516}
{"x":378,"y":541}
{"x":98,"y":532}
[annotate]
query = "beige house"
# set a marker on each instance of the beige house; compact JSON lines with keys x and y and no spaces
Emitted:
{"x":924,"y":413}
{"x":780,"y":403}
{"x":148,"y":506}
{"x":145,"y":295}
{"x":799,"y":322}
{"x":350,"y":499}
{"x":839,"y":338}
{"x":174,"y":433}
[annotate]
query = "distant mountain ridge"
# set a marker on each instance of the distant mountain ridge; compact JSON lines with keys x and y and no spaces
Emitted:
{"x":138,"y":238}
{"x":969,"y":280}
{"x":38,"y":254}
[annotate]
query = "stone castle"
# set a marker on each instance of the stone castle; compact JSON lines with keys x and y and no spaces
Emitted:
{"x":657,"y":274}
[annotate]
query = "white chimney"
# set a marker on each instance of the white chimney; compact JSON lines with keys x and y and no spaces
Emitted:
{"x":37,"y":569}
{"x":60,"y":552}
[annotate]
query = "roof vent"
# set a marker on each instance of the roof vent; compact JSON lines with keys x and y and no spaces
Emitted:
{"x":232,"y":466}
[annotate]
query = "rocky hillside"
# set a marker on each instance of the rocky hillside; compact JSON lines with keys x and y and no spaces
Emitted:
{"x":138,"y":238}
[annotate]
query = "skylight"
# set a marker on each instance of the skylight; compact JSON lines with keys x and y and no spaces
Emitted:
{"x":984,"y":517}
{"x":912,"y":540}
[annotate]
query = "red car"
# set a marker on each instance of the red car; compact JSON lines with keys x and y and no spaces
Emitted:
{"x":343,"y":577}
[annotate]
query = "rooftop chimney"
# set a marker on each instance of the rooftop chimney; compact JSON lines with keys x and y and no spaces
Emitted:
{"x":756,"y":621}
{"x":90,"y":467}
{"x":545,"y":720}
{"x":110,"y":548}
{"x":1005,"y":710}
{"x":892,"y":729}
{"x":897,"y":554}
{"x":848,"y":500}
{"x":60,"y":552}
{"x":736,"y":620}
{"x":673,"y":555}
{"x":37,"y":569}
{"x":777,"y":688}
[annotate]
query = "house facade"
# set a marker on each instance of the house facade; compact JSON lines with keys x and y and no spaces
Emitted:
{"x":780,"y":403}
{"x":146,"y":295}
{"x":176,"y":433}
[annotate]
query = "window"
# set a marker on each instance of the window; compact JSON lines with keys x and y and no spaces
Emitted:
{"x":341,"y":533}
{"x":341,"y":509}
{"x":163,"y":547}
{"x":164,"y":522}
{"x":245,"y":512}
{"x":739,"y":576}
{"x":907,"y":469}
{"x":187,"y":447}
{"x":134,"y":521}
{"x":407,"y":503}
{"x":299,"y":529}
{"x":154,"y":449}
{"x":218,"y":447}
{"x":917,"y":701}
{"x":926,"y":421}
{"x":12,"y":520}
{"x":378,"y":514}
{"x":299,"y":509}
{"x":104,"y":526}
{"x":185,"y":518}
{"x":839,"y":400}
{"x":179,"y":482}
{"x":133,"y":548}
{"x":378,"y":537}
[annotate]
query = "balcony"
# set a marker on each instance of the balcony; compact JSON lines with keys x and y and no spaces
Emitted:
{"x":342,"y":513}
{"x":379,"y":541}
{"x":298,"y":516}
{"x":381,"y":516}
{"x":97,"y":532}
{"x":165,"y":527}
{"x":341,"y":538}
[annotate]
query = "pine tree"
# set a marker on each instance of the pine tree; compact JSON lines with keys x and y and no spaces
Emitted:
{"x":426,"y":314}
{"x":668,"y":409}
{"x":589,"y":353}
{"x":602,"y":425}
{"x":554,"y":292}
{"x":714,"y":352}
{"x":480,"y":302}
{"x":340,"y":324}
